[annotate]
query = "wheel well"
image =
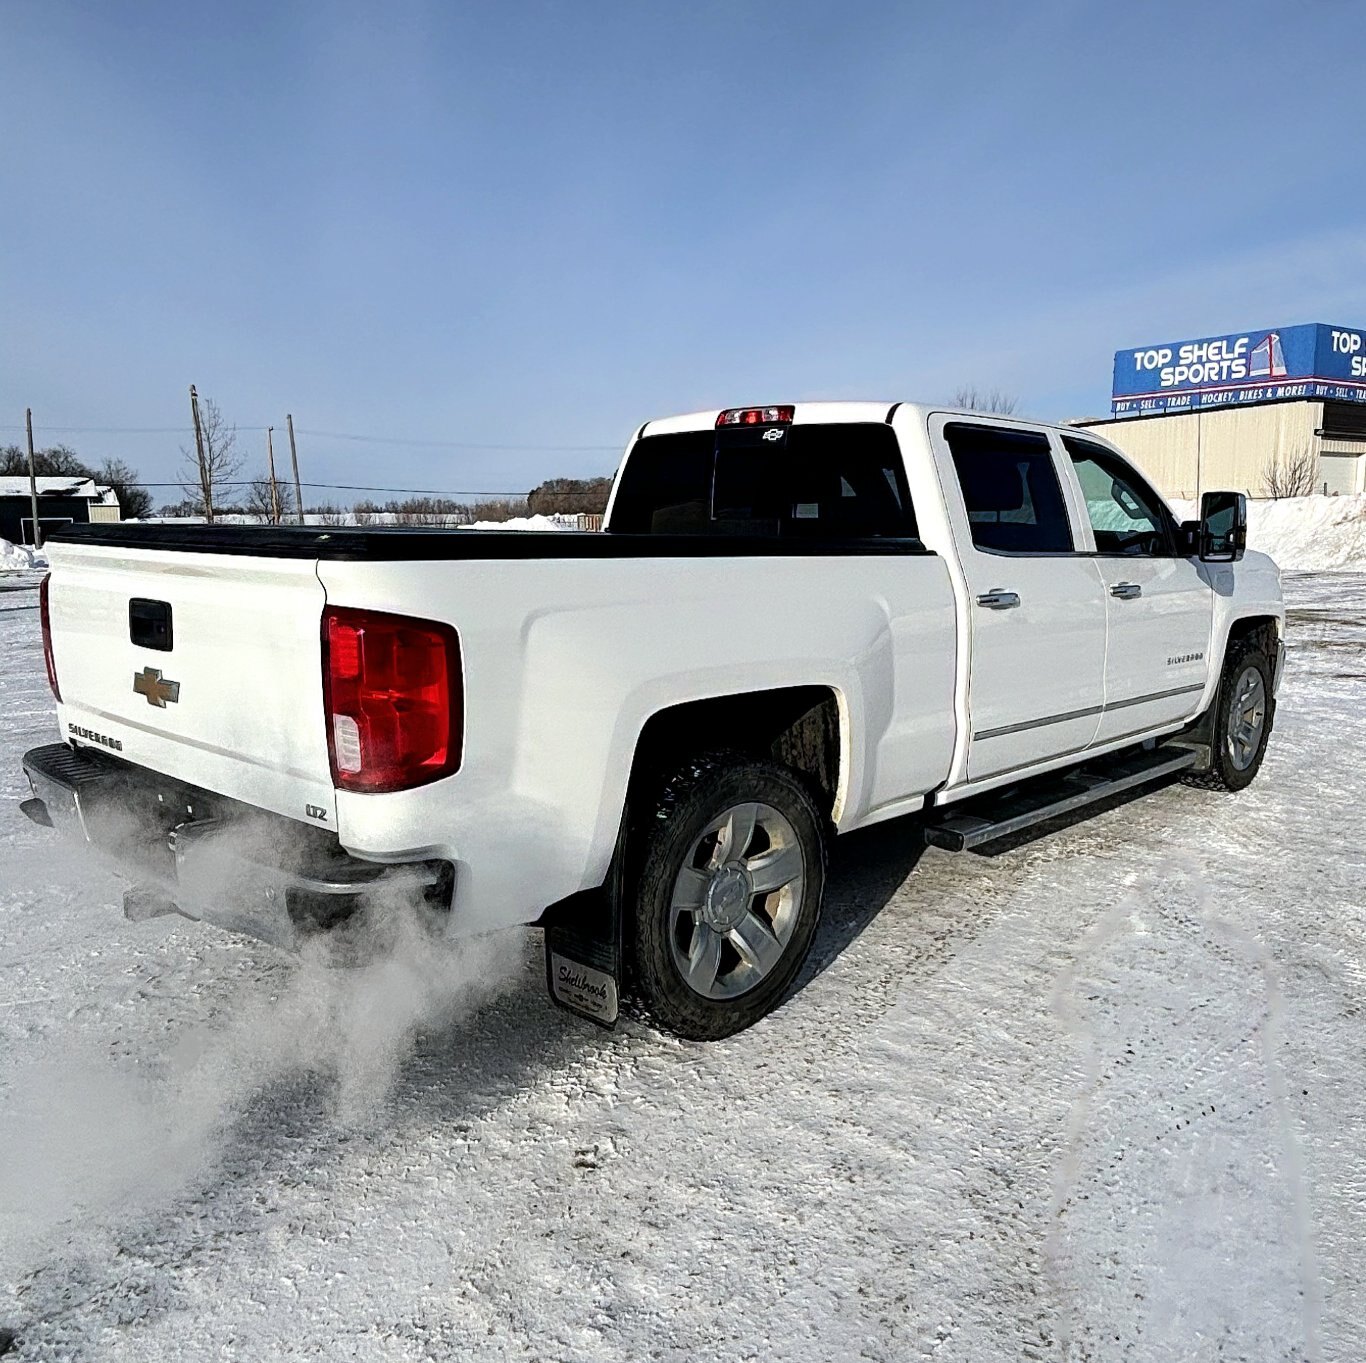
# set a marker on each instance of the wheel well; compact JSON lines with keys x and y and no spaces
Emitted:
{"x":798,"y":726}
{"x":1259,"y":629}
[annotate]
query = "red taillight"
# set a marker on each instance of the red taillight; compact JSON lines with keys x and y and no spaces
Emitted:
{"x":754,"y":416}
{"x":393,"y":691}
{"x":45,"y":613}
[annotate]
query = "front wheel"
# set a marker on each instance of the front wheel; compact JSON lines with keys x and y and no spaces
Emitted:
{"x":729,"y":894}
{"x":1242,"y":721}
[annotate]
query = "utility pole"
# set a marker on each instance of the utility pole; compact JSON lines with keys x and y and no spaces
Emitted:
{"x":205,"y":482}
{"x":294,"y":459}
{"x":33,"y":480}
{"x":274,"y":486}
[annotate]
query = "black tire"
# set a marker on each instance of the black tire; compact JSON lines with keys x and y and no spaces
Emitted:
{"x":698,"y":793}
{"x":1225,"y":774}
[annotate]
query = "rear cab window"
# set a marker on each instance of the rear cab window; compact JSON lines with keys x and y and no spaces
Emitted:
{"x":828,"y":481}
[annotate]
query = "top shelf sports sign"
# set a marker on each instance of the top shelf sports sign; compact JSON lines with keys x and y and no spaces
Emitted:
{"x":1312,"y":361}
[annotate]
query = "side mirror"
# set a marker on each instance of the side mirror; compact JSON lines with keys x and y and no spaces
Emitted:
{"x":1223,"y":527}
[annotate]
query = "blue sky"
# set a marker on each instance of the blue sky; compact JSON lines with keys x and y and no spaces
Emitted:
{"x":537,"y":224}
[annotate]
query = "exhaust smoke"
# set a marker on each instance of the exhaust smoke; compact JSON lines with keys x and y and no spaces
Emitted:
{"x":98,"y":1134}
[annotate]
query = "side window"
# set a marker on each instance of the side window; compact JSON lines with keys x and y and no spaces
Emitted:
{"x":1011,"y":489}
{"x":1124,"y":512}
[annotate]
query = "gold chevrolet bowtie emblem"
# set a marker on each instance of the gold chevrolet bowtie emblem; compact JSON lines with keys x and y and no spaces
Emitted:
{"x":148,"y":683}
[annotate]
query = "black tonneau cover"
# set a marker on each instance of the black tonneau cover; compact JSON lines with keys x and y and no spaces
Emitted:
{"x":401,"y":543}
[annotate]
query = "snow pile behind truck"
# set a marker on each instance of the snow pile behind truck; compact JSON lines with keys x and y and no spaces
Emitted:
{"x":1311,"y":533}
{"x":1304,"y":534}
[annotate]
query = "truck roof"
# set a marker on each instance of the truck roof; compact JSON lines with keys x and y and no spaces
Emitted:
{"x":806,"y":413}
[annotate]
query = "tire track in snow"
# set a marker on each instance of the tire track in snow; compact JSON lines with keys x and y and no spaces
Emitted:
{"x":1159,"y":1225}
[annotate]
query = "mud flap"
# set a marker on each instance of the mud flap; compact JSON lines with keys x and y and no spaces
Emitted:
{"x":584,"y":956}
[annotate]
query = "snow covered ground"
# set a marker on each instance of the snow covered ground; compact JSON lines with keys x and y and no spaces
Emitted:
{"x":1099,"y":1097}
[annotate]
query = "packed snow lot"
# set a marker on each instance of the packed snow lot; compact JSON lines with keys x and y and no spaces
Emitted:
{"x":1097,"y":1097}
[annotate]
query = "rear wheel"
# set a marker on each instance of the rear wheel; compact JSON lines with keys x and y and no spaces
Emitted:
{"x":729,"y":894}
{"x":1242,"y":721}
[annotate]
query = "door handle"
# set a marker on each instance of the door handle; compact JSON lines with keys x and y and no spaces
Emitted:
{"x":1126,"y":591}
{"x":997,"y":600}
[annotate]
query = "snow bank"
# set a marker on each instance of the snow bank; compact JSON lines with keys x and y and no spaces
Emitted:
{"x":18,"y":558}
{"x":1305,"y":534}
{"x":1311,"y":533}
{"x":525,"y":523}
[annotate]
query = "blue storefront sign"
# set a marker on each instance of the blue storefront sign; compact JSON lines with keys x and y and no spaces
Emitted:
{"x":1278,"y":365}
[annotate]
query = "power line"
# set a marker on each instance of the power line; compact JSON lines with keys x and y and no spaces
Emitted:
{"x":332,"y":435}
{"x":122,"y":430}
{"x":453,"y":444}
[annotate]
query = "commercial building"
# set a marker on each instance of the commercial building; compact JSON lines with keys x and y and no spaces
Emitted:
{"x":1244,"y":411}
{"x":61,"y":501}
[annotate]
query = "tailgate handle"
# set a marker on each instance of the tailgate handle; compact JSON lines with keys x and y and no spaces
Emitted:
{"x":149,"y":624}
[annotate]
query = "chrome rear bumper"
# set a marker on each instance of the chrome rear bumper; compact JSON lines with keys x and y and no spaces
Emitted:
{"x":212,"y":858}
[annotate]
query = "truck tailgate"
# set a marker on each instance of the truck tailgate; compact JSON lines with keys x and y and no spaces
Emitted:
{"x":234,"y":705}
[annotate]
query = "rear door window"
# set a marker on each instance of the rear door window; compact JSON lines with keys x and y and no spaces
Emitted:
{"x":834,"y":481}
{"x":1010,"y":488}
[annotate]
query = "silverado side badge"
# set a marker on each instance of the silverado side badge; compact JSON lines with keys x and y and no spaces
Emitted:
{"x":149,"y":683}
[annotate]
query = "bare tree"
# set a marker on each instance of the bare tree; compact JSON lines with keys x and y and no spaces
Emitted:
{"x":59,"y":461}
{"x":498,"y":509}
{"x":135,"y":501}
{"x":570,"y":497}
{"x":221,"y":461}
{"x":260,"y":501}
{"x":1291,"y":473}
{"x":440,"y":511}
{"x":976,"y":399}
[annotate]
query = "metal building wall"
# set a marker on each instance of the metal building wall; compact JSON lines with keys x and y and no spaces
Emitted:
{"x":1230,"y":445}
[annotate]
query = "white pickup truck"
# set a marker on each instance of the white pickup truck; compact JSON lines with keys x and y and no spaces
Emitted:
{"x":800,"y":620}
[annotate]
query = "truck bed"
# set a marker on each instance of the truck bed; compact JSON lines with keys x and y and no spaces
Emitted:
{"x":567,"y":653}
{"x":406,"y":543}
